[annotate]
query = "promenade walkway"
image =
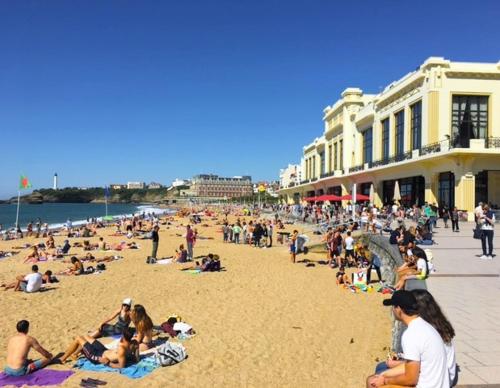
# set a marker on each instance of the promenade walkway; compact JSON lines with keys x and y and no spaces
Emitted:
{"x":468,"y":289}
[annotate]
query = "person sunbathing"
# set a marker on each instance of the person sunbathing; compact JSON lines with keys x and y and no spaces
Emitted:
{"x":34,"y":256}
{"x":28,"y":283}
{"x":123,"y":322}
{"x":208,"y":264}
{"x":181,"y":255}
{"x":87,"y":246}
{"x":18,"y":348}
{"x":102,"y":244}
{"x":64,"y":250}
{"x":97,"y":353}
{"x":143,"y":327}
{"x":76,"y":269}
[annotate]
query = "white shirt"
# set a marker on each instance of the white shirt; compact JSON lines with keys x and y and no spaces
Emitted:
{"x":421,"y":267}
{"x":422,"y":343}
{"x":450,"y":360}
{"x":394,"y":209}
{"x":349,"y":242}
{"x":34,"y":281}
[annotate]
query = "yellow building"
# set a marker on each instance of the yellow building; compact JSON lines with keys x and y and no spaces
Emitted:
{"x":436,"y":131}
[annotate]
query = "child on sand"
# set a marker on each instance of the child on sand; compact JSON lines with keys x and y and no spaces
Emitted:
{"x":18,"y":349}
{"x":342,"y":278}
{"x":293,"y":245}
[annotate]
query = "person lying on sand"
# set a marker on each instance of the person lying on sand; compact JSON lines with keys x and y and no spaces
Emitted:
{"x":34,"y":256}
{"x":208,"y":264}
{"x":27,"y":283}
{"x":124,"y":319}
{"x":8,"y":254}
{"x":76,"y":269}
{"x":87,"y":246}
{"x":97,"y":353}
{"x":18,"y":348}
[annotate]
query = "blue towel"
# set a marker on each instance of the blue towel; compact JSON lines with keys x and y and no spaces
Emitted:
{"x":135,"y":371}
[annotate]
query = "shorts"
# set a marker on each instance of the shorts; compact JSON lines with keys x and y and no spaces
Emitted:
{"x":293,"y":249}
{"x":22,"y":286}
{"x":93,"y":351}
{"x":24,"y":370}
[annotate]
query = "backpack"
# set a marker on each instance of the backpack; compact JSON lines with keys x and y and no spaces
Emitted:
{"x":170,"y":353}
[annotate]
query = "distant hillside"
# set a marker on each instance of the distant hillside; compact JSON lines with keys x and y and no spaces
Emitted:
{"x":95,"y":194}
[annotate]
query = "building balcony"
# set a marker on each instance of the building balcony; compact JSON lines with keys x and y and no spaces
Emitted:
{"x":327,"y":174}
{"x":442,"y":147}
{"x":357,"y":168}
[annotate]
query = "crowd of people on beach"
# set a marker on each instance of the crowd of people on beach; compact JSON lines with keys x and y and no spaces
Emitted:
{"x":406,"y":228}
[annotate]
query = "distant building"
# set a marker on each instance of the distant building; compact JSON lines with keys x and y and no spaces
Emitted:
{"x":155,"y":185}
{"x":214,"y":186}
{"x":55,"y":181}
{"x":135,"y":185}
{"x":290,"y":176}
{"x":180,"y":182}
{"x":117,"y":186}
{"x":270,"y":188}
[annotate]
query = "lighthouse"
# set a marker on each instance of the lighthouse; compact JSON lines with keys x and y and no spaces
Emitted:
{"x":55,"y":181}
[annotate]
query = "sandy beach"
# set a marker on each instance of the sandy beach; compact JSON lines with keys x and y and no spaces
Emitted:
{"x":261,"y":322}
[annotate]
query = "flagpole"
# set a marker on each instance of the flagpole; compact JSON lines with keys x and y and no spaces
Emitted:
{"x":106,"y":200}
{"x":17,"y":213}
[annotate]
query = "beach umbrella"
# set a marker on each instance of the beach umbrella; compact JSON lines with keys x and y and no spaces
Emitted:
{"x":107,"y":218}
{"x":372,"y":193}
{"x":397,"y":193}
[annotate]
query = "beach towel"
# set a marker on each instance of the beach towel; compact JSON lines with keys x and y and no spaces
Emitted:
{"x":136,"y":371}
{"x":41,"y":378}
{"x":164,"y":261}
{"x":192,"y":271}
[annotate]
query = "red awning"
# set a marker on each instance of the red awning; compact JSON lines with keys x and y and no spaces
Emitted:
{"x":310,"y":199}
{"x":359,"y":197}
{"x":328,"y":197}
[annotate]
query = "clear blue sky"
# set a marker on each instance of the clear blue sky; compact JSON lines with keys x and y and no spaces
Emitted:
{"x":116,"y":91}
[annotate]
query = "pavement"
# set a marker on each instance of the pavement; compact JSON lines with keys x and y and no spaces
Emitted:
{"x":468,"y":290}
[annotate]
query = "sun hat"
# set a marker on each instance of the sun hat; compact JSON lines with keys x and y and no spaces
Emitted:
{"x":127,"y":301}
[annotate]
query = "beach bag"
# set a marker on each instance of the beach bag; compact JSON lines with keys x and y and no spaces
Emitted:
{"x":170,"y":353}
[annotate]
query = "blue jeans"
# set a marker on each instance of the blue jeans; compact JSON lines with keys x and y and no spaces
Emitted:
{"x":190,"y":250}
{"x":487,"y":237}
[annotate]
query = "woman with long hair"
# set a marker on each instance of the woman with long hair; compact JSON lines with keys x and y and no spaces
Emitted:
{"x":429,"y":310}
{"x":143,"y":327}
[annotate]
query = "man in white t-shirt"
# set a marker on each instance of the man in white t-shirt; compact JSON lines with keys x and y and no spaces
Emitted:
{"x":424,"y":354}
{"x":31,"y":282}
{"x":349,"y":247}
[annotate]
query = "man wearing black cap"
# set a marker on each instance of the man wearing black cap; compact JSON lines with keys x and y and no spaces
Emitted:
{"x":424,"y":355}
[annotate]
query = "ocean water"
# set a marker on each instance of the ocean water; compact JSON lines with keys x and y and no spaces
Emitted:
{"x":56,"y":214}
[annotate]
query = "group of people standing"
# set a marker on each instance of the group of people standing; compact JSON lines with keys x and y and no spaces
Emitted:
{"x":258,"y":233}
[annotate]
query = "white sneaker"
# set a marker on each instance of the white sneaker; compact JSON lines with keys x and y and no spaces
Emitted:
{"x":484,"y":257}
{"x":490,"y":257}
